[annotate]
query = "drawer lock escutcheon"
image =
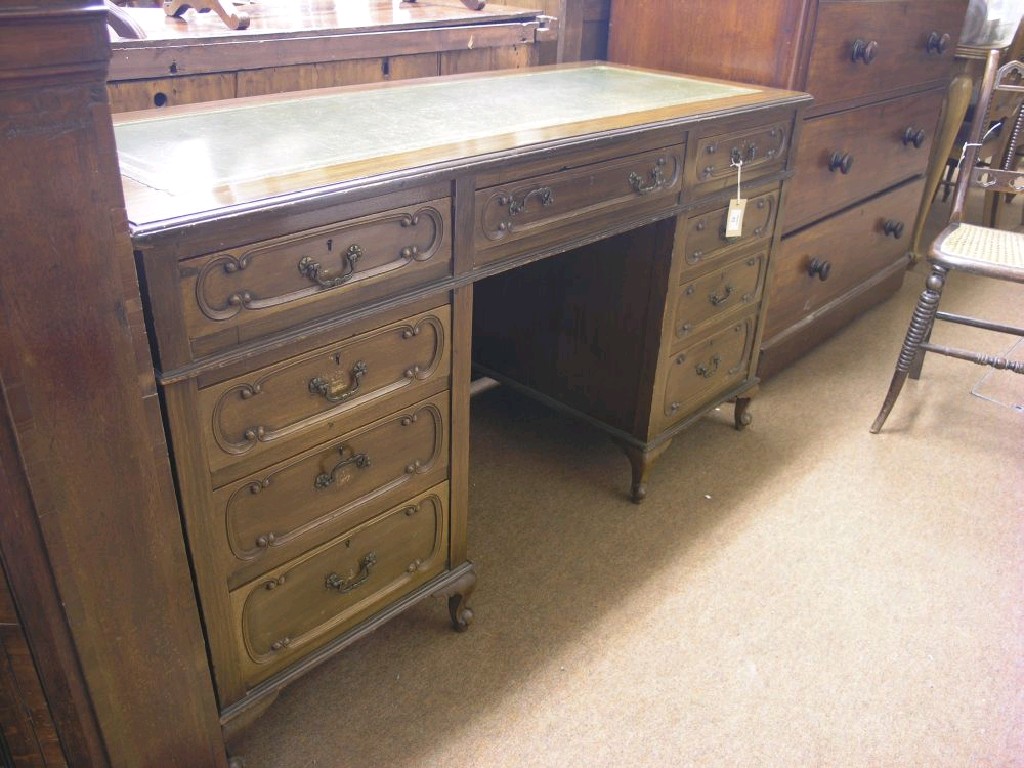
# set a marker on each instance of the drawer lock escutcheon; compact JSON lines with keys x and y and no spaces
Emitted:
{"x":656,"y":176}
{"x":336,"y":391}
{"x":343,"y":586}
{"x":357,"y":460}
{"x":315,"y":273}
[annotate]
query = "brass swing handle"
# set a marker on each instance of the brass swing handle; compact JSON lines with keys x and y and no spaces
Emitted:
{"x":326,"y":479}
{"x":343,"y":586}
{"x":709,"y":369}
{"x":545,"y":194}
{"x":336,"y":391}
{"x":656,"y":176}
{"x":717,"y":300}
{"x":314,"y":272}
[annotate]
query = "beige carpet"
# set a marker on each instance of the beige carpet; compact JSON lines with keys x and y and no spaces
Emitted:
{"x":799,"y":594}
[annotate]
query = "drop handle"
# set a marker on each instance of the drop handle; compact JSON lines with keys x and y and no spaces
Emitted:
{"x":864,"y":50}
{"x":840,"y":161}
{"x":894,"y":228}
{"x":937,"y":43}
{"x":819,"y":268}
{"x":915,"y":136}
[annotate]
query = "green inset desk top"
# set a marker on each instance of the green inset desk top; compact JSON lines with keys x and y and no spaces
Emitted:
{"x":201,"y":156}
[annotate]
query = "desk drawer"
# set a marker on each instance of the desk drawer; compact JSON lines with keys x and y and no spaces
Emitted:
{"x":703,"y":370}
{"x":702,"y":241}
{"x":249,"y":420}
{"x":864,"y":48}
{"x":305,"y":603}
{"x":878,"y":145}
{"x":736,"y":285}
{"x":761,"y":148}
{"x":291,"y":506}
{"x":855,"y":246}
{"x":243,"y":293}
{"x":543,"y":211}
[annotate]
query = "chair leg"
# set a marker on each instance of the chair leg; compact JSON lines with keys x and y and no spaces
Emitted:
{"x":920,"y":326}
{"x":918,"y":363}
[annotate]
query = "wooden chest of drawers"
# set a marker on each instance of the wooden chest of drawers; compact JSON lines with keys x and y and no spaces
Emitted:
{"x":877,"y":70}
{"x":313,"y":325}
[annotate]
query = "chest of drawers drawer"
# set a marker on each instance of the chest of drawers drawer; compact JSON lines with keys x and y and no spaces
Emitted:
{"x":287,"y":508}
{"x":865,"y":48}
{"x":292,"y":609}
{"x":545,"y":210}
{"x":253,"y":419}
{"x":837,"y":254}
{"x":240,"y":294}
{"x":847,"y":156}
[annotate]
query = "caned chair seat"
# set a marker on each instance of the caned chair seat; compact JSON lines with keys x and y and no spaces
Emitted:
{"x":982,"y":250}
{"x":986,"y":251}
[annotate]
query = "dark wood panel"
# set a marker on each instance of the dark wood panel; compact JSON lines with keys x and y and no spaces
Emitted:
{"x":80,"y":455}
{"x":750,"y":41}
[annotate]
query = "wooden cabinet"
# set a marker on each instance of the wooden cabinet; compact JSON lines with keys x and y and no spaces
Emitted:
{"x":313,"y":321}
{"x":292,"y":46}
{"x":877,"y":70}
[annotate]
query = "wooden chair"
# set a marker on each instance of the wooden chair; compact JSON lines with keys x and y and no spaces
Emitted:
{"x":979,"y":249}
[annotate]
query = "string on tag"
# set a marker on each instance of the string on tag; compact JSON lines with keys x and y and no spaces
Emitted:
{"x":963,"y":152}
{"x":738,"y":165}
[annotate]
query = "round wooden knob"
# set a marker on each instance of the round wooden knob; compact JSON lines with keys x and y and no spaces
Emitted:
{"x":840,"y":161}
{"x":864,"y":50}
{"x":893,"y":227}
{"x":937,"y":43}
{"x":819,"y":268}
{"x":915,"y":136}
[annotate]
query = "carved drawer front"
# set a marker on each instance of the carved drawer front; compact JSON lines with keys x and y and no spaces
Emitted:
{"x":305,"y":603}
{"x":310,"y":396}
{"x":556,"y":207}
{"x":849,"y":155}
{"x":864,"y":48}
{"x":737,"y":285}
{"x":762,"y":150}
{"x":699,"y":372}
{"x":291,"y":506}
{"x":702,"y":239}
{"x":242,"y":293}
{"x":838,"y":254}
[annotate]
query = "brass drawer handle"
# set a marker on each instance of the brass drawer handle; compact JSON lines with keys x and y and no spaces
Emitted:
{"x":515,"y":207}
{"x":717,"y":300}
{"x":343,"y":586}
{"x":937,"y":43}
{"x":337,"y":391}
{"x":840,"y":161}
{"x":657,"y":177}
{"x":864,"y":50}
{"x":915,"y":136}
{"x":326,"y":479}
{"x":312,"y":271}
{"x":710,"y":369}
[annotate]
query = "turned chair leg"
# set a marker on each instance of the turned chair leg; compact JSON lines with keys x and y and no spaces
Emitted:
{"x":920,"y":328}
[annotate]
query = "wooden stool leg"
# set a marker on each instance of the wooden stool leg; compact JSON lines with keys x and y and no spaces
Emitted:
{"x":920,"y":326}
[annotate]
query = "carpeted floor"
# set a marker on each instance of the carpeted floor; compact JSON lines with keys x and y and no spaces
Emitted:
{"x":799,"y":594}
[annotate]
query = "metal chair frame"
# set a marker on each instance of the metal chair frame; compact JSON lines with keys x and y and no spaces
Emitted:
{"x":967,"y":247}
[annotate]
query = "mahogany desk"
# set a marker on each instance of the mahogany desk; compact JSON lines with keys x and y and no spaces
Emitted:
{"x":310,"y":262}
